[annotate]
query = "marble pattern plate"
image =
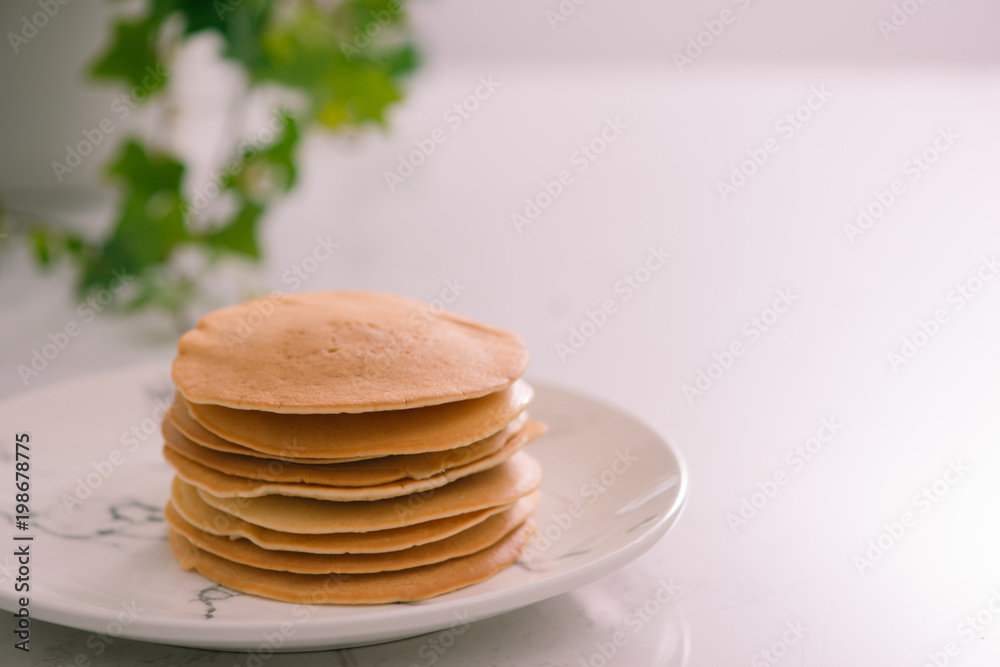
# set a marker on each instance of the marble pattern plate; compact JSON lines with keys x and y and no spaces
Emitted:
{"x":99,"y":559}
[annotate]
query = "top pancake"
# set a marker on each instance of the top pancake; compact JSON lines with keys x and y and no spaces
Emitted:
{"x":329,"y":352}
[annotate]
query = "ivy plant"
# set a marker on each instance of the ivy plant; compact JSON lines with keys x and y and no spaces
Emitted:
{"x":346,"y":58}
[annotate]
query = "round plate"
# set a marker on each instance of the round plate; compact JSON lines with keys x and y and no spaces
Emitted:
{"x":99,"y":558}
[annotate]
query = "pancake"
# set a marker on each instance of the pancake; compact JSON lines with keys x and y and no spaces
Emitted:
{"x":328,"y":352}
{"x":469,"y":541}
{"x":371,"y":472}
{"x":230,"y":486}
{"x":182,"y":420}
{"x":203,"y":516}
{"x":410,"y":585}
{"x":367,"y":435}
{"x":516,"y":477}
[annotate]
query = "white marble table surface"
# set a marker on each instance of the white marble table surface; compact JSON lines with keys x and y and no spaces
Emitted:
{"x":815,"y":311}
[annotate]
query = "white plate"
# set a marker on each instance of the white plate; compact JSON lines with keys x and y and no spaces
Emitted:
{"x":103,"y":564}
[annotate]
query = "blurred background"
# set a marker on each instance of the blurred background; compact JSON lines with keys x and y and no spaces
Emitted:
{"x":334,"y":112}
{"x":533,"y":158}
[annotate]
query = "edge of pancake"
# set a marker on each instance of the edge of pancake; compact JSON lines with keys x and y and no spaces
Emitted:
{"x":476,"y":538}
{"x":410,"y":585}
{"x":183,"y":495}
{"x":223,"y":485}
{"x":397,"y":436}
{"x":206,"y":351}
{"x":182,"y":420}
{"x":370,"y":472}
{"x":518,"y":476}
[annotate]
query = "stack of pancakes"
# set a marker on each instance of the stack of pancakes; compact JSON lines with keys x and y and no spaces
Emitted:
{"x":349,"y":448}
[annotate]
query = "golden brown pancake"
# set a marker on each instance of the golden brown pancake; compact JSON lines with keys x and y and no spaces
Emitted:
{"x":203,"y":516}
{"x":418,"y":583}
{"x":349,"y":448}
{"x":516,"y":477}
{"x":325,"y":352}
{"x":469,"y":541}
{"x":371,"y":472}
{"x":185,"y":423}
{"x":366,"y":435}
{"x":230,"y":486}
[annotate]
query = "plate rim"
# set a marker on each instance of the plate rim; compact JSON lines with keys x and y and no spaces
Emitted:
{"x":312,"y":634}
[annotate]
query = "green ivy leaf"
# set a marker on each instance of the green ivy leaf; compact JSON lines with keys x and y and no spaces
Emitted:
{"x":75,"y":245}
{"x":400,"y":62}
{"x":356,"y":95}
{"x":131,"y":57}
{"x":41,"y":247}
{"x":348,"y":84}
{"x":240,"y":236}
{"x":347,"y":57}
{"x":239,"y":22}
{"x":169,"y":292}
{"x":281,"y":154}
{"x":276,"y":159}
{"x":150,"y":221}
{"x":139,"y":172}
{"x":204,"y":15}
